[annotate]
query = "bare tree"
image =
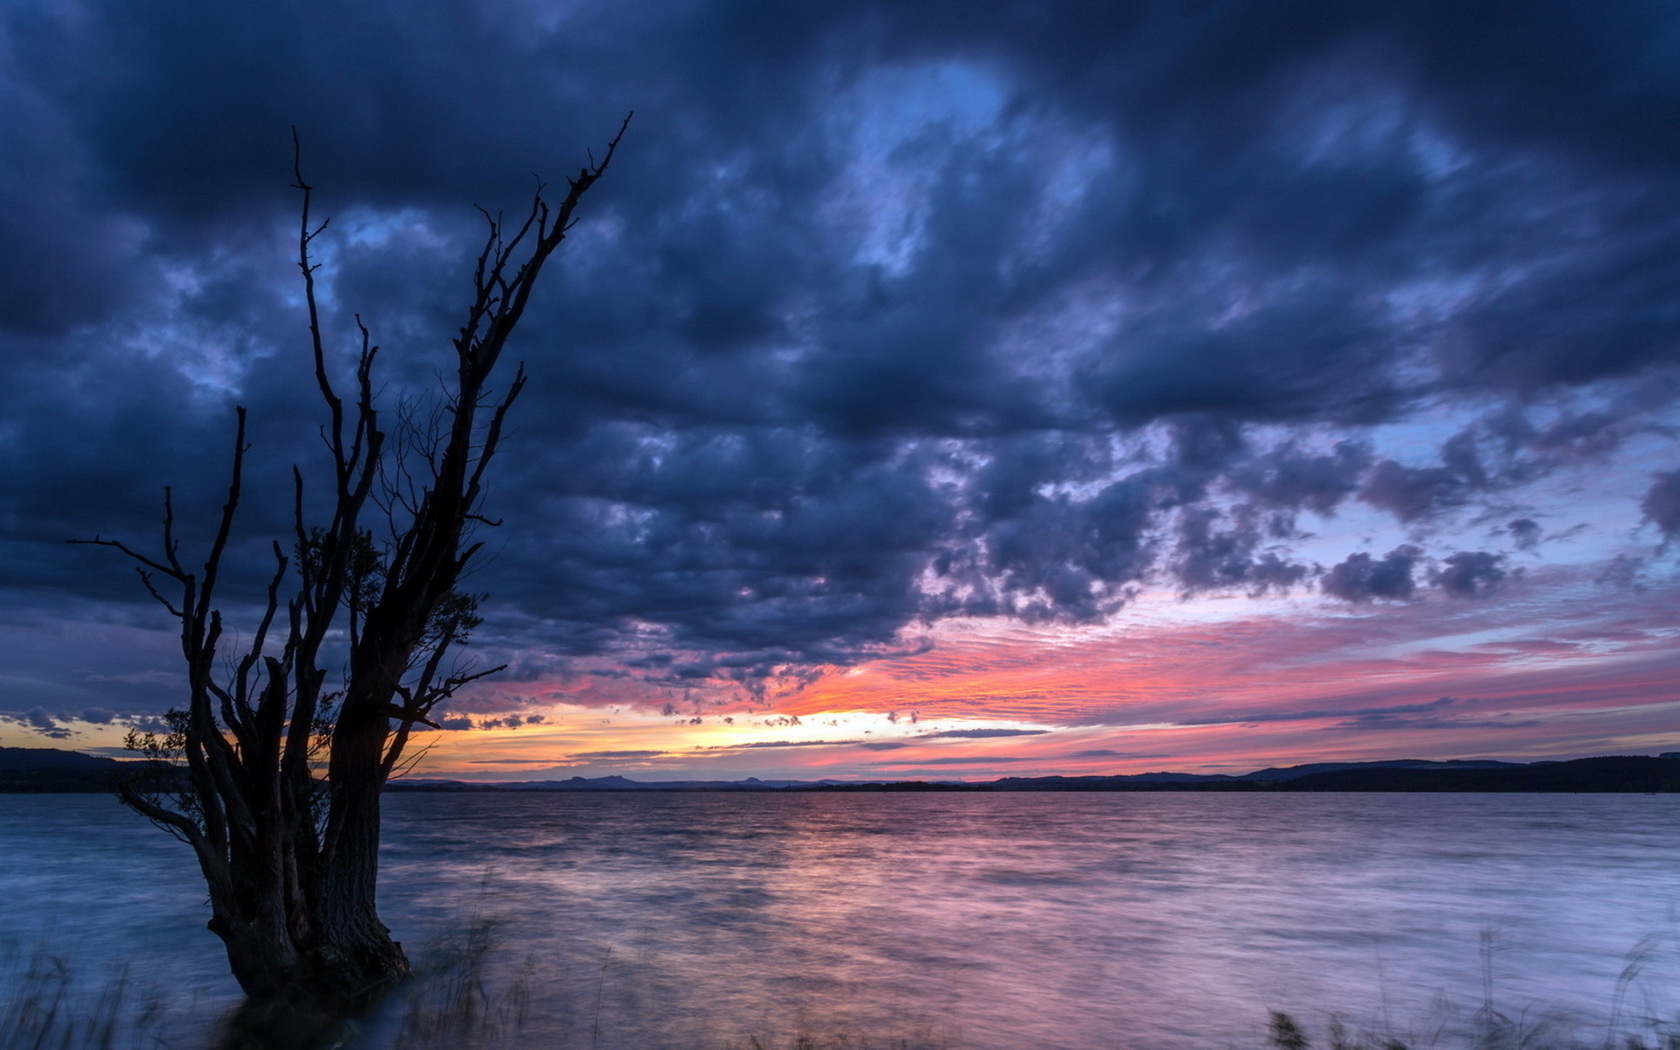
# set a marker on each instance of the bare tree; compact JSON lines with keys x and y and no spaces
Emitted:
{"x":291,"y":856}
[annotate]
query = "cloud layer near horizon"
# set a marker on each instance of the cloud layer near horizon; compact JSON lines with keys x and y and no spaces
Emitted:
{"x":887,"y":314}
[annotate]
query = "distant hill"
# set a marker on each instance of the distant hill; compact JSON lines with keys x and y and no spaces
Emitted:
{"x":1296,"y":772}
{"x":1633,"y":773}
{"x":50,"y":770}
{"x":1623,"y":773}
{"x":1268,"y":779}
{"x":609,"y":783}
{"x":1619,"y":773}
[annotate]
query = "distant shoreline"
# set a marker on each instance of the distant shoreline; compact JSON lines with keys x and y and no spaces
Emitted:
{"x":1624,"y":774}
{"x":54,"y":771}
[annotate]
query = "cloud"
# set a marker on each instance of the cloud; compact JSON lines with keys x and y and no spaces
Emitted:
{"x":1411,"y":493}
{"x":1358,"y":714}
{"x":1436,"y":714}
{"x":885,"y":315}
{"x":978,"y":734}
{"x":165,"y":678}
{"x":1289,"y":477}
{"x":755,"y":744}
{"x":42,"y":722}
{"x":959,"y":760}
{"x":1525,"y":533}
{"x":1360,"y":578}
{"x":1661,"y":504}
{"x":1400,"y":722}
{"x":1211,"y":558}
{"x":1469,"y":573}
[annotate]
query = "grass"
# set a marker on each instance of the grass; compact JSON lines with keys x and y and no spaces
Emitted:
{"x":1486,"y":1033}
{"x":1489,"y":1028}
{"x":456,"y":1004}
{"x":48,"y":1009}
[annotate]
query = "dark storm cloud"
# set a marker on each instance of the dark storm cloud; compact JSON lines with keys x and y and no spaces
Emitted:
{"x":1223,"y":558}
{"x":763,"y":540}
{"x":885,"y":312}
{"x":1410,"y":493}
{"x":1362,"y":578}
{"x":1525,"y":533}
{"x":508,"y":722}
{"x":41,"y":721}
{"x":1464,"y":574}
{"x":1469,"y":573}
{"x":1292,"y":478}
{"x":1662,"y":503}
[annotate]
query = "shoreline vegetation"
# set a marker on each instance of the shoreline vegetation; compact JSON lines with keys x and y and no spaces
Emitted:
{"x":53,"y":771}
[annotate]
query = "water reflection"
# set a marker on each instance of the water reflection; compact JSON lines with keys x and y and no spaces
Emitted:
{"x":999,"y":921}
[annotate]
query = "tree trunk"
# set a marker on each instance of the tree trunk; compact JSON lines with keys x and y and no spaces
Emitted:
{"x":325,"y":947}
{"x":304,"y":927}
{"x":355,"y":952}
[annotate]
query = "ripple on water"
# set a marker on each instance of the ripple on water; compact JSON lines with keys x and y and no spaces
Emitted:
{"x":1060,"y":921}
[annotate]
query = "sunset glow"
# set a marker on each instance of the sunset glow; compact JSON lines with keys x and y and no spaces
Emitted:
{"x":951,"y":409}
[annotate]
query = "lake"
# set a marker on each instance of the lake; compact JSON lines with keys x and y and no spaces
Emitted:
{"x":986,"y":921}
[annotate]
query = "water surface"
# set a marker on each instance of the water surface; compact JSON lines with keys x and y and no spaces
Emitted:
{"x":1050,"y":921}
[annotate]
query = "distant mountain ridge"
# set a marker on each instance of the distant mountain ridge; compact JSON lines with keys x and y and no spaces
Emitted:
{"x":1625,"y":773}
{"x":52,"y":770}
{"x":1296,"y":772}
{"x":27,"y":769}
{"x":14,"y":759}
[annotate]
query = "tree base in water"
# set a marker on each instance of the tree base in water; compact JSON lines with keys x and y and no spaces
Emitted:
{"x":281,"y":1024}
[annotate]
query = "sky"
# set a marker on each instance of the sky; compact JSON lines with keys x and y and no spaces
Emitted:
{"x":930,"y":390}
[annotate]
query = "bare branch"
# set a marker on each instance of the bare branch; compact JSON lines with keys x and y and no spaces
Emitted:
{"x":181,"y":826}
{"x":146,"y":581}
{"x":212,"y":564}
{"x":493,"y":439}
{"x":171,"y":546}
{"x":124,"y":548}
{"x":317,"y":346}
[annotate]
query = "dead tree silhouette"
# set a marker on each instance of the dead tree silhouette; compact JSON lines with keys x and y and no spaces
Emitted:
{"x":278,"y":761}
